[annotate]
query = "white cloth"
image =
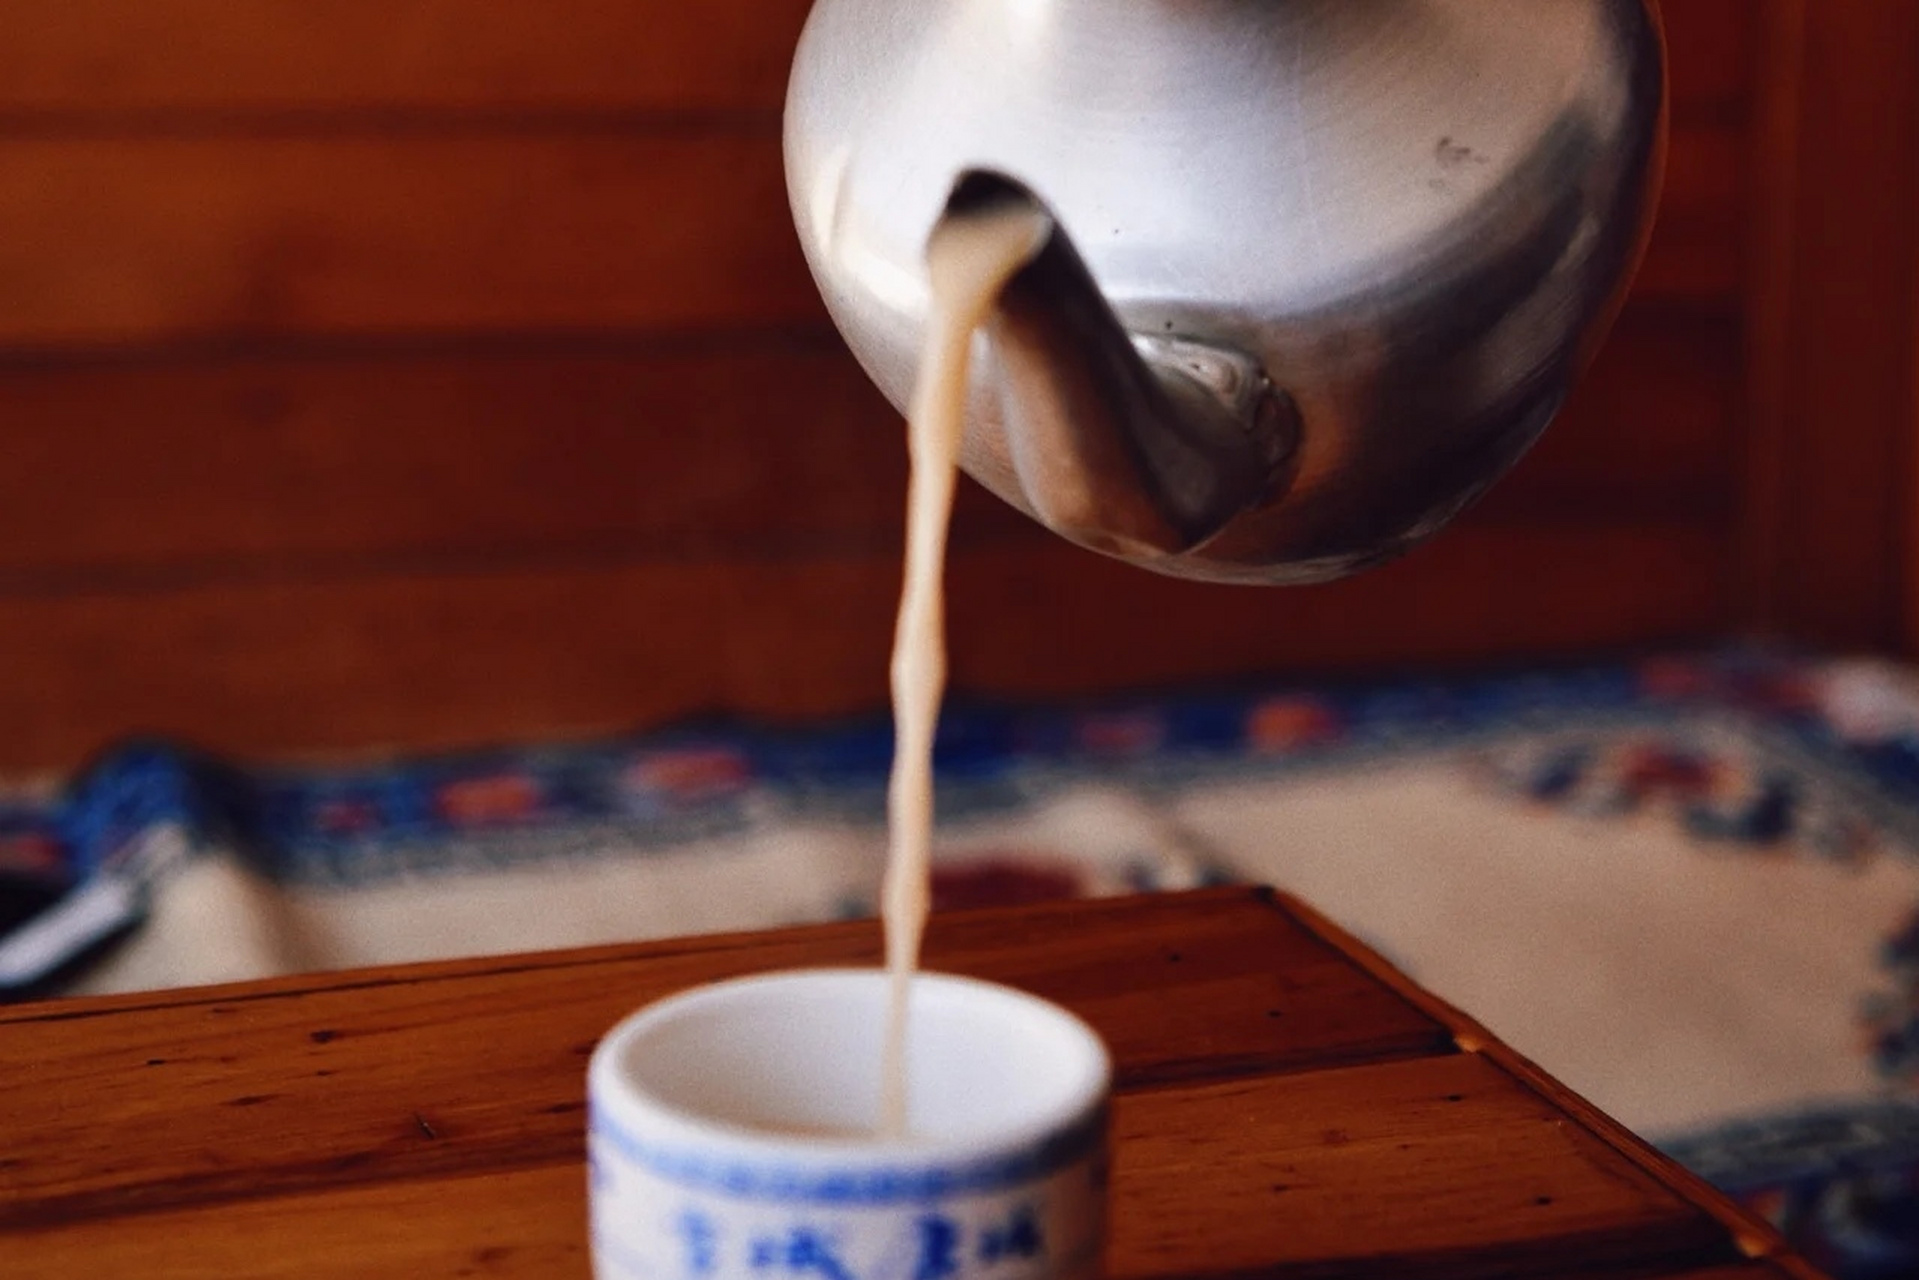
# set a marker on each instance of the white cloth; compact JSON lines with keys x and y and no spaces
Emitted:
{"x":215,"y":921}
{"x":1673,"y":984}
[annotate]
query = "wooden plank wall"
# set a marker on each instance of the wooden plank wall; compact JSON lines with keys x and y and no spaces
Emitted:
{"x":1834,"y":379}
{"x":432,"y":372}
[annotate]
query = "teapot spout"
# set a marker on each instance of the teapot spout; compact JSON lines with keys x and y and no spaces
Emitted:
{"x":1138,"y":446}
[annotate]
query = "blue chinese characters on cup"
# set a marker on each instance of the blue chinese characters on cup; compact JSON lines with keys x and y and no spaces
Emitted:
{"x":732,"y":1133}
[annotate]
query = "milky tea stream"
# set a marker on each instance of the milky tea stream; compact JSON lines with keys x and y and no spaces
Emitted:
{"x":969,"y":258}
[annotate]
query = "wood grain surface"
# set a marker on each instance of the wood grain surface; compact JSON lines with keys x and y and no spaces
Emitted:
{"x":1833,"y":519}
{"x":220,"y":465}
{"x":1213,"y":989}
{"x":351,"y":355}
{"x":1286,"y":1106}
{"x":190,"y":62}
{"x":342,"y":662}
{"x":1341,"y":1162}
{"x":113,"y":241}
{"x":168,"y":58}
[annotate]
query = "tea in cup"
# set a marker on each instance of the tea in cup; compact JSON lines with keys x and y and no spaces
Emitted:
{"x":735,"y":1131}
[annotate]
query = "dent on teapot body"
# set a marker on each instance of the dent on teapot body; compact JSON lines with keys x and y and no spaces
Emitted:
{"x":1415,"y":217}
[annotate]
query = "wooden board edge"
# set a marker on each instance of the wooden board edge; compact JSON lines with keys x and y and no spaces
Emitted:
{"x":1756,"y":1238}
{"x":65,"y":1008}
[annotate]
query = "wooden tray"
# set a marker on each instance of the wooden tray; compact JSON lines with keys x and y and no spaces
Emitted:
{"x":1288,"y":1105}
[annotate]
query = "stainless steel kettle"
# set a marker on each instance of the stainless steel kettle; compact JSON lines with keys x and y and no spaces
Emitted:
{"x":1323,"y":269}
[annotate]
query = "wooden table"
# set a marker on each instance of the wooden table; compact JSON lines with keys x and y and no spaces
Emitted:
{"x":1288,"y":1104}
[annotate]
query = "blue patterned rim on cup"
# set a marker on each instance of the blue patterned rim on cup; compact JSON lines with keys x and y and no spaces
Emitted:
{"x":730,"y":1134}
{"x":692,"y":1170}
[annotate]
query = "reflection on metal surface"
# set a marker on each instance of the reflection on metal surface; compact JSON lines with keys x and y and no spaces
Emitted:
{"x":1389,"y":233}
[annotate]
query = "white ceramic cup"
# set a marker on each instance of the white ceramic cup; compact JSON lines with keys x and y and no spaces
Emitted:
{"x":731,"y":1127}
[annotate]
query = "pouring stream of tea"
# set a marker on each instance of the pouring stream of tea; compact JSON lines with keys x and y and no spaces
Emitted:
{"x":969,"y":258}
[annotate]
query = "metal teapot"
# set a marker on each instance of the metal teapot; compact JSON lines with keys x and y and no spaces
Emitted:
{"x":1322,"y":269}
